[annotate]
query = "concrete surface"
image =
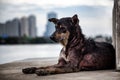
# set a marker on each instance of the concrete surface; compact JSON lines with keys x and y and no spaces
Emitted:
{"x":12,"y":71}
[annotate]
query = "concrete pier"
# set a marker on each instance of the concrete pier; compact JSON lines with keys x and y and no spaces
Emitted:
{"x":13,"y":71}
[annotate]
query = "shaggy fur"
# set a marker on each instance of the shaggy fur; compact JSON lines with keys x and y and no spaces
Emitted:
{"x":78,"y":53}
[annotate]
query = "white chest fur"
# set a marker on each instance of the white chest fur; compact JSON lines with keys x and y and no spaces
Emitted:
{"x":62,"y":55}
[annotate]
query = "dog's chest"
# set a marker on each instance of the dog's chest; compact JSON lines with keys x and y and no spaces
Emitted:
{"x":63,"y":55}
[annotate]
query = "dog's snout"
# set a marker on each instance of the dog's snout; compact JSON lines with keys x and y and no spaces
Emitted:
{"x":52,"y":37}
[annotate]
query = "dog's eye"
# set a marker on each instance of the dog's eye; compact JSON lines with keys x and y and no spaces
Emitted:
{"x":62,"y":29}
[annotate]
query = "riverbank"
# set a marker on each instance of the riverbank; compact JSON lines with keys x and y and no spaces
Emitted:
{"x":12,"y":71}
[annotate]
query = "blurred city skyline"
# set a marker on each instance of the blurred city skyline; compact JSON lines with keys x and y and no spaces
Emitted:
{"x":95,"y":15}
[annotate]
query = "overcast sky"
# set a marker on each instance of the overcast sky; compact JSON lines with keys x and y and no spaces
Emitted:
{"x":95,"y":15}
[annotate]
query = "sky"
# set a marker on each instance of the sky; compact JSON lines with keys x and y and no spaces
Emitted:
{"x":95,"y":15}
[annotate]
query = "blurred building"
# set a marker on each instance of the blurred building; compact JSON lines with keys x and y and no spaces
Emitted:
{"x":50,"y":27}
{"x":2,"y":30}
{"x":32,"y":26}
{"x":9,"y":30}
{"x":24,"y":29}
{"x":19,"y":27}
{"x":15,"y":28}
{"x":100,"y":38}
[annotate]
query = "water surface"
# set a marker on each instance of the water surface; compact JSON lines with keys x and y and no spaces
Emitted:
{"x":9,"y":53}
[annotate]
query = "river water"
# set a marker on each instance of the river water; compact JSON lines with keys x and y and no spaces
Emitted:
{"x":9,"y":53}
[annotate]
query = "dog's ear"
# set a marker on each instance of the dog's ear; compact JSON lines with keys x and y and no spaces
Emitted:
{"x":54,"y":20}
{"x":75,"y":19}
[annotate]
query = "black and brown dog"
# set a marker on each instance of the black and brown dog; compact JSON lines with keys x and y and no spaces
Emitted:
{"x":78,"y":53}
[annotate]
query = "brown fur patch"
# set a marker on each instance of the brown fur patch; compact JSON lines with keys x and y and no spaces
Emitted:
{"x":63,"y":37}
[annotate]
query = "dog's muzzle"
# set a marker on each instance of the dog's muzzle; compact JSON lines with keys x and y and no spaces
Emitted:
{"x":53,"y":38}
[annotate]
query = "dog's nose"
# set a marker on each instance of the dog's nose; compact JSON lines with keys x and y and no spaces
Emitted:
{"x":52,"y":37}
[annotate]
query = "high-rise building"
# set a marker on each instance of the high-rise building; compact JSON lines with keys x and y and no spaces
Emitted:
{"x":19,"y":28}
{"x":12,"y":28}
{"x":2,"y":30}
{"x":32,"y":26}
{"x":50,"y":27}
{"x":24,"y":27}
{"x":9,"y":30}
{"x":15,"y":27}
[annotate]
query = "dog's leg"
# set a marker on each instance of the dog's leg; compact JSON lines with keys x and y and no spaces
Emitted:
{"x":61,"y":67}
{"x":32,"y":70}
{"x":89,"y":63}
{"x":53,"y":70}
{"x":56,"y":70}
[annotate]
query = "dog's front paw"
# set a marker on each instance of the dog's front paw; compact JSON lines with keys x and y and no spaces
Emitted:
{"x":30,"y":70}
{"x":41,"y":72}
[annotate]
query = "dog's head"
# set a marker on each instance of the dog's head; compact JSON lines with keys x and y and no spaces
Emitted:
{"x":64,"y":28}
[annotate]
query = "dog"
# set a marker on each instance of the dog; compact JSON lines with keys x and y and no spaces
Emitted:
{"x":78,"y":53}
